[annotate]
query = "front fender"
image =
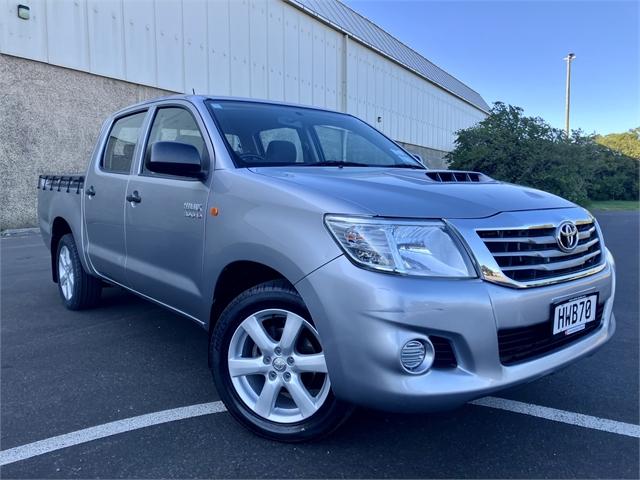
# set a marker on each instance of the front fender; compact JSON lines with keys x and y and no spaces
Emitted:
{"x":265,"y":221}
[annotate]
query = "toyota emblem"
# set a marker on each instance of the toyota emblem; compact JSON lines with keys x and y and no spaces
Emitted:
{"x":567,"y":236}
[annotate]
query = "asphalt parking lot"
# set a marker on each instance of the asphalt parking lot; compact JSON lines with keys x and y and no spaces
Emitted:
{"x":65,"y":371}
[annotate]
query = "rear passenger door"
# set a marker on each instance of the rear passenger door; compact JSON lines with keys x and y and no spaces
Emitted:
{"x":165,"y":228}
{"x":105,"y":190}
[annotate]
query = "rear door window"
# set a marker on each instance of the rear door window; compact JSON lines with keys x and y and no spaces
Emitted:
{"x":121,"y":144}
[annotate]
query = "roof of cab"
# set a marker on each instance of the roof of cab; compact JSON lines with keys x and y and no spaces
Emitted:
{"x":195,"y":99}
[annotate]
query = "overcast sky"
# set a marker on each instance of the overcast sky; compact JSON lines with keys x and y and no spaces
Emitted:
{"x":512,"y":51}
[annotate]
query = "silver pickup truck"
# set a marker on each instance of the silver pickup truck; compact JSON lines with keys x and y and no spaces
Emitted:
{"x":328,"y":265}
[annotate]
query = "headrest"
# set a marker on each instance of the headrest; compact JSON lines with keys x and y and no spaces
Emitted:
{"x":281,"y":151}
{"x":128,"y":149}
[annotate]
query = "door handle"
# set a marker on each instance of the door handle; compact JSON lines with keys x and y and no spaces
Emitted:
{"x":134,"y":197}
{"x":90,"y":192}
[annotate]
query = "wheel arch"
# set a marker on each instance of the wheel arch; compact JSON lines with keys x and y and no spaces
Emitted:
{"x":235,"y":278}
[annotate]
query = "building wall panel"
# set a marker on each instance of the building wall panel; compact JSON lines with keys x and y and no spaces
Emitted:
{"x":27,"y":39}
{"x":305,"y":59}
{"x":67,"y":38}
{"x":219,"y":53}
{"x":275,"y":55}
{"x":258,"y":48}
{"x":318,"y":63}
{"x":331,"y":61}
{"x":140,"y":42}
{"x":170,"y":44}
{"x":194,"y":27}
{"x":105,"y":29}
{"x":239,"y":48}
{"x":420,"y":113}
{"x":291,"y":56}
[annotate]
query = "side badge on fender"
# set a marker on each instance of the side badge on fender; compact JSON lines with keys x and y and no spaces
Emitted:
{"x":192,"y":210}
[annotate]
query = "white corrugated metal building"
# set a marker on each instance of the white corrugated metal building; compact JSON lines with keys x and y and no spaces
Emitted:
{"x":316,"y":52}
{"x":311,"y":52}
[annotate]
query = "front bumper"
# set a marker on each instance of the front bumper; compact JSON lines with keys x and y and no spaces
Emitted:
{"x":365,"y":317}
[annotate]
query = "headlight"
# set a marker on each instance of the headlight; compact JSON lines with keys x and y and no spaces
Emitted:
{"x":420,"y":248}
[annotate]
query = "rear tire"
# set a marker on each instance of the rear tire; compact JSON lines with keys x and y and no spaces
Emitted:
{"x":78,"y":290}
{"x":290,"y":372}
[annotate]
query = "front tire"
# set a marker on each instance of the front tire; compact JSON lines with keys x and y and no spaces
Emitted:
{"x":269,"y":368}
{"x":78,"y":290}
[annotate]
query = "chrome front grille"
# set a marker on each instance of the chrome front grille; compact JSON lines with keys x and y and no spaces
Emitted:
{"x":528,"y":255}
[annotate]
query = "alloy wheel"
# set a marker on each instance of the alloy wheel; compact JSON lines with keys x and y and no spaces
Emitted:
{"x":66,"y":277}
{"x":277,"y":366}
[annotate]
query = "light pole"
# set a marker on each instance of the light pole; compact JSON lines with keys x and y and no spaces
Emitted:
{"x":569,"y":58}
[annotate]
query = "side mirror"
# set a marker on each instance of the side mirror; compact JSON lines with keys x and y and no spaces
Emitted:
{"x":175,"y":158}
{"x":419,"y":158}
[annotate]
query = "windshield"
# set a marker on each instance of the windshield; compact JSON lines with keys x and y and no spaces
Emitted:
{"x":262,"y":135}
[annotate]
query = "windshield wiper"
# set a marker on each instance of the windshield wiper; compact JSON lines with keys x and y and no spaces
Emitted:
{"x":337,"y":163}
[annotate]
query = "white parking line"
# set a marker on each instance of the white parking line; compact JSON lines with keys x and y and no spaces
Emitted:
{"x":572,"y":418}
{"x":59,"y":442}
{"x":106,"y":430}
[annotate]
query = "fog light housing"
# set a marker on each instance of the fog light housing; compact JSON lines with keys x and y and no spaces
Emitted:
{"x":416,"y":356}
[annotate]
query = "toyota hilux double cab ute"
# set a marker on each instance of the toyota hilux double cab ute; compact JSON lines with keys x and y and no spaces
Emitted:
{"x":329,"y":267}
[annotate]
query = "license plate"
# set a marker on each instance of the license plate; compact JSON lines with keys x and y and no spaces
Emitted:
{"x":572,"y":316}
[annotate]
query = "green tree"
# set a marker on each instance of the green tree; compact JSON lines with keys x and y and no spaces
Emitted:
{"x":627,"y":143}
{"x":512,"y":147}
